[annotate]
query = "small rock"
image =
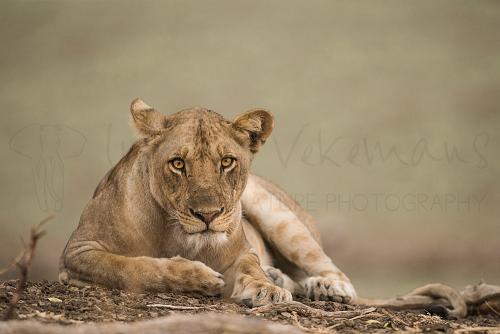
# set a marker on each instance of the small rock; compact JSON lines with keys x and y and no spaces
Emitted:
{"x":33,"y":290}
{"x":54,"y":300}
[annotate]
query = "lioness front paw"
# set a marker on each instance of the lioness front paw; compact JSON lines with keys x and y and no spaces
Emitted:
{"x":259,"y":293}
{"x":195,"y":276}
{"x":329,"y":288}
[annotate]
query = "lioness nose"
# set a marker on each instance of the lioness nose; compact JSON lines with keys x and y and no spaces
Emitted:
{"x":206,"y":216}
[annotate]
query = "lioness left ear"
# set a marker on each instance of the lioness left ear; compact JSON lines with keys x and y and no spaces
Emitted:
{"x":255,"y":125}
{"x":147,"y":121}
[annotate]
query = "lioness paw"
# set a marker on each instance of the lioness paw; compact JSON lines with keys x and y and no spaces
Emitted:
{"x":280,"y":279}
{"x":211,"y":282}
{"x":262,"y":293}
{"x":195,"y":276}
{"x":329,"y":288}
{"x":275,"y":275}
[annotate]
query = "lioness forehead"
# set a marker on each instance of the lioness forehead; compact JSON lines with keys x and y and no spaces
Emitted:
{"x":195,"y":119}
{"x":193,"y":130}
{"x":197,"y":113}
{"x":199,"y":123}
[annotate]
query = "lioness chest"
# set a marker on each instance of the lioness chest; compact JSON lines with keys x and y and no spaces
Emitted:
{"x":217,"y":250}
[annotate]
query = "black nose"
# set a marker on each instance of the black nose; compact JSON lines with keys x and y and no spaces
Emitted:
{"x":207,"y":216}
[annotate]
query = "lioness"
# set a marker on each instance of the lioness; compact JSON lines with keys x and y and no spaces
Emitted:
{"x":181,"y":212}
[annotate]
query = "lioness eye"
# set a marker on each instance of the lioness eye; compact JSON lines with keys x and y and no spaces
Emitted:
{"x":177,"y":163}
{"x":227,"y":162}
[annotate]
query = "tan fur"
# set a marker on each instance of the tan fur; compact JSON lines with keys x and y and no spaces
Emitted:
{"x":151,"y":226}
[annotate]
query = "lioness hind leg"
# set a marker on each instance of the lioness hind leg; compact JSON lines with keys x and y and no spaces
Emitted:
{"x":292,"y":234}
{"x":282,"y":280}
{"x":327,"y":288}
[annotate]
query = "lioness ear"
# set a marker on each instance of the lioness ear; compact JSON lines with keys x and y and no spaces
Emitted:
{"x":256,"y":125}
{"x":146,"y":120}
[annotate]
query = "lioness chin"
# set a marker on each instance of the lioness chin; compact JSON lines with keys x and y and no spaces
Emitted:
{"x":168,"y":217}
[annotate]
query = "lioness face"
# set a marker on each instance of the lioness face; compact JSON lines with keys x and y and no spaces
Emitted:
{"x":199,"y":163}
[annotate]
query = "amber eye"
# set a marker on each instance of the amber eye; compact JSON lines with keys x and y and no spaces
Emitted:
{"x":177,"y":163}
{"x":227,"y":162}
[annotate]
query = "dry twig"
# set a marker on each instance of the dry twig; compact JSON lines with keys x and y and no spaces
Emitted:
{"x":395,"y":317}
{"x":304,"y":310}
{"x":366,"y":312}
{"x":491,"y":308}
{"x":180,"y":307}
{"x":23,"y":263}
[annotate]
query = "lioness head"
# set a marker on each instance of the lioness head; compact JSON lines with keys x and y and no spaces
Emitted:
{"x":198,"y":162}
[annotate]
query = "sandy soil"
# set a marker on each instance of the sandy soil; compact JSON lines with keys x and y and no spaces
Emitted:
{"x":52,"y":302}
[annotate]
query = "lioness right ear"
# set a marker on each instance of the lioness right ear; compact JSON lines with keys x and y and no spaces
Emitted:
{"x":147,"y":121}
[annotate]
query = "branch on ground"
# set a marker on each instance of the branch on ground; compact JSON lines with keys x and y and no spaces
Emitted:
{"x":23,"y":262}
{"x":443,"y":300}
{"x":306,"y":311}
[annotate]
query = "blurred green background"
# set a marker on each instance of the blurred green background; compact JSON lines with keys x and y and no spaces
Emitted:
{"x":387,"y":118}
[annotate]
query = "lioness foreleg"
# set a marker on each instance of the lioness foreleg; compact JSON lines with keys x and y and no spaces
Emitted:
{"x":251,"y":286}
{"x":140,"y":273}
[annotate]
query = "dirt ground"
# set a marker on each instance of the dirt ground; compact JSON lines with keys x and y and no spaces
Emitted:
{"x":52,"y":302}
